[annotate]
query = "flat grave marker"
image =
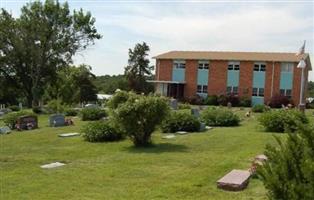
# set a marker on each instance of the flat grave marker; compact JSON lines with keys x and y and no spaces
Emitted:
{"x":235,"y":180}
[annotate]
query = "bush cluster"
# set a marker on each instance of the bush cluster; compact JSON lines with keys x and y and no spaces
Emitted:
{"x":219,"y":117}
{"x":211,"y":100}
{"x":282,"y":120}
{"x":118,"y":98}
{"x":55,"y":106}
{"x":260,"y":108}
{"x":278,"y":100}
{"x":92,"y":114}
{"x":101,"y":131}
{"x":180,"y":121}
{"x":11,"y":118}
{"x":14,"y":108}
{"x":225,"y":99}
{"x":245,"y":102}
{"x":183,"y":106}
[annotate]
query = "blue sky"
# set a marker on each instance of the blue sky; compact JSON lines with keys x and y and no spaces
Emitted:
{"x":190,"y":25}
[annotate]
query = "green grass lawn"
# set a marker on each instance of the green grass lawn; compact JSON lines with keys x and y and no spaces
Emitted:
{"x":186,"y":167}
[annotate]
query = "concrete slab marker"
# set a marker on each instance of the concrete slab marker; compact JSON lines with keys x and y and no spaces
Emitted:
{"x":52,"y":165}
{"x":235,"y":180}
{"x":68,"y":134}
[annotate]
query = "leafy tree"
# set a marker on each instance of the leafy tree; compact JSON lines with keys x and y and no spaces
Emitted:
{"x":289,"y":171}
{"x":109,"y":84}
{"x":310,"y":89}
{"x":138,"y":69}
{"x":40,"y":42}
{"x":139,"y":116}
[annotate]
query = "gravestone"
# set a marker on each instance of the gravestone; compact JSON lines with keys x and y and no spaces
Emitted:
{"x":235,"y":180}
{"x":5,"y":130}
{"x":52,"y":165}
{"x":56,"y":120}
{"x":202,"y":126}
{"x":170,"y":136}
{"x":27,"y":122}
{"x":195,"y":112}
{"x":69,"y":134}
{"x":174,"y":104}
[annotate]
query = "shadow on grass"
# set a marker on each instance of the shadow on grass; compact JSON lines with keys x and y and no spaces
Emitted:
{"x":158,"y":148}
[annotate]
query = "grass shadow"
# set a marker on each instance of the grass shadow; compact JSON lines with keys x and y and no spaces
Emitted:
{"x":158,"y":148}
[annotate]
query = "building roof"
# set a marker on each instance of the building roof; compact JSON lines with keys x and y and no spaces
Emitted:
{"x":230,"y":55}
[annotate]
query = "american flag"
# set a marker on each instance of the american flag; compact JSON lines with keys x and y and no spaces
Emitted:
{"x":301,"y":50}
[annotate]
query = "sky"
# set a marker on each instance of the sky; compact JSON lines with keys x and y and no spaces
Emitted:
{"x":259,"y":26}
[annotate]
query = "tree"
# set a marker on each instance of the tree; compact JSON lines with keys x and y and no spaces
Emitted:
{"x":139,"y":116}
{"x":289,"y":171}
{"x":311,"y":89}
{"x":73,"y":85}
{"x":109,"y":84}
{"x":138,"y":69}
{"x":41,"y":41}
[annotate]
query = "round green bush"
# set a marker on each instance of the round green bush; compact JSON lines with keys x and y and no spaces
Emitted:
{"x":70,"y":112}
{"x":92,"y":114}
{"x":180,"y":121}
{"x":118,"y":98}
{"x":10,"y":118}
{"x":219,"y":117}
{"x":282,"y":120}
{"x":183,"y":106}
{"x":260,"y":108}
{"x":211,"y":100}
{"x":14,"y":108}
{"x":101,"y":131}
{"x":37,"y":110}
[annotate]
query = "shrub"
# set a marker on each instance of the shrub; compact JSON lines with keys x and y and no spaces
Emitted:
{"x":10,"y":118}
{"x":118,"y":98}
{"x":245,"y":102}
{"x":288,"y":172}
{"x":37,"y":110}
{"x":55,"y":106}
{"x":101,"y":131}
{"x":282,"y":120}
{"x":91,"y":114}
{"x":260,"y":108}
{"x":139,"y":116}
{"x":219,"y":117}
{"x":211,"y":100}
{"x":278,"y":100}
{"x":180,"y":121}
{"x":70,"y":112}
{"x":195,"y":100}
{"x":14,"y":108}
{"x":225,"y":99}
{"x":183,"y":106}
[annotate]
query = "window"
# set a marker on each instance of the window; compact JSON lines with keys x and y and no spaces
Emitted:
{"x":232,"y":90}
{"x":203,"y":64}
{"x":202,"y":89}
{"x":234,"y":65}
{"x":286,"y":67}
{"x":258,"y":92}
{"x":286,"y":92}
{"x":260,"y":67}
{"x":179,"y":64}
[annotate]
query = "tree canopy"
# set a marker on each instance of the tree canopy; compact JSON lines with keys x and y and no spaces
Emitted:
{"x":41,"y":41}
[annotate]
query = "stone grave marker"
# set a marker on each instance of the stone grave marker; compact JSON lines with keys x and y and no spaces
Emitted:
{"x":27,"y":122}
{"x":235,"y":180}
{"x":174,"y":104}
{"x":202,"y":126}
{"x":68,"y":134}
{"x":52,"y":165}
{"x":5,"y":130}
{"x":56,"y":120}
{"x":170,"y":136}
{"x":195,"y":112}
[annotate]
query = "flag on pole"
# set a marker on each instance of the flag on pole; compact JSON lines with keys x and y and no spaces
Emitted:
{"x":301,"y":50}
{"x":301,"y":64}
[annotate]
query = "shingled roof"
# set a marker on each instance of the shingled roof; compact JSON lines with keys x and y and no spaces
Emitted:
{"x":229,"y":55}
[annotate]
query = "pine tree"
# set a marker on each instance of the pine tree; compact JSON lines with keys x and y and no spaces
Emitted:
{"x":289,"y":171}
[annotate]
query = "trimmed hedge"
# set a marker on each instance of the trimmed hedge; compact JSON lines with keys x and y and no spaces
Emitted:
{"x":101,"y":131}
{"x":92,"y":114}
{"x":282,"y":120}
{"x":259,"y":108}
{"x":219,"y":117}
{"x":180,"y":121}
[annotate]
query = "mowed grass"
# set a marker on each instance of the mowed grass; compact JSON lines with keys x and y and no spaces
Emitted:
{"x":186,"y":167}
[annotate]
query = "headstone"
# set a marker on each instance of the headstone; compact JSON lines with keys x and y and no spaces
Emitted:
{"x":208,"y":127}
{"x":182,"y":132}
{"x":27,"y":122}
{"x":235,"y":180}
{"x":170,"y":136}
{"x":174,"y":104}
{"x":52,"y":165}
{"x":202,"y":126}
{"x":5,"y":130}
{"x":195,"y":112}
{"x":56,"y":120}
{"x":20,"y":106}
{"x":259,"y":160}
{"x":229,"y":105}
{"x":68,"y":134}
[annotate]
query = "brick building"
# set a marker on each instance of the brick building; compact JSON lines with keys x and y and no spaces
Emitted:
{"x":257,"y":75}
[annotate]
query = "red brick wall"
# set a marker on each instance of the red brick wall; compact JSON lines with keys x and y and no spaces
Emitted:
{"x":190,"y":88}
{"x":246,"y":78}
{"x":164,"y":70}
{"x":268,"y":80}
{"x":217,"y":78}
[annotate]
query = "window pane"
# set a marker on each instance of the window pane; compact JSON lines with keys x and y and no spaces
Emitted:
{"x":282,"y":92}
{"x":235,"y":90}
{"x":288,"y":93}
{"x":230,"y":67}
{"x":175,"y":65}
{"x":200,"y":66}
{"x":199,"y":89}
{"x":182,"y":65}
{"x":256,"y":67}
{"x":261,"y":92}
{"x":236,"y":67}
{"x":263,"y":67}
{"x":254,"y":92}
{"x":206,"y":66}
{"x":204,"y":88}
{"x":229,"y":89}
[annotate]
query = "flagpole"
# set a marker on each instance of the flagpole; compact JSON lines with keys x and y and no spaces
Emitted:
{"x":302,"y":65}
